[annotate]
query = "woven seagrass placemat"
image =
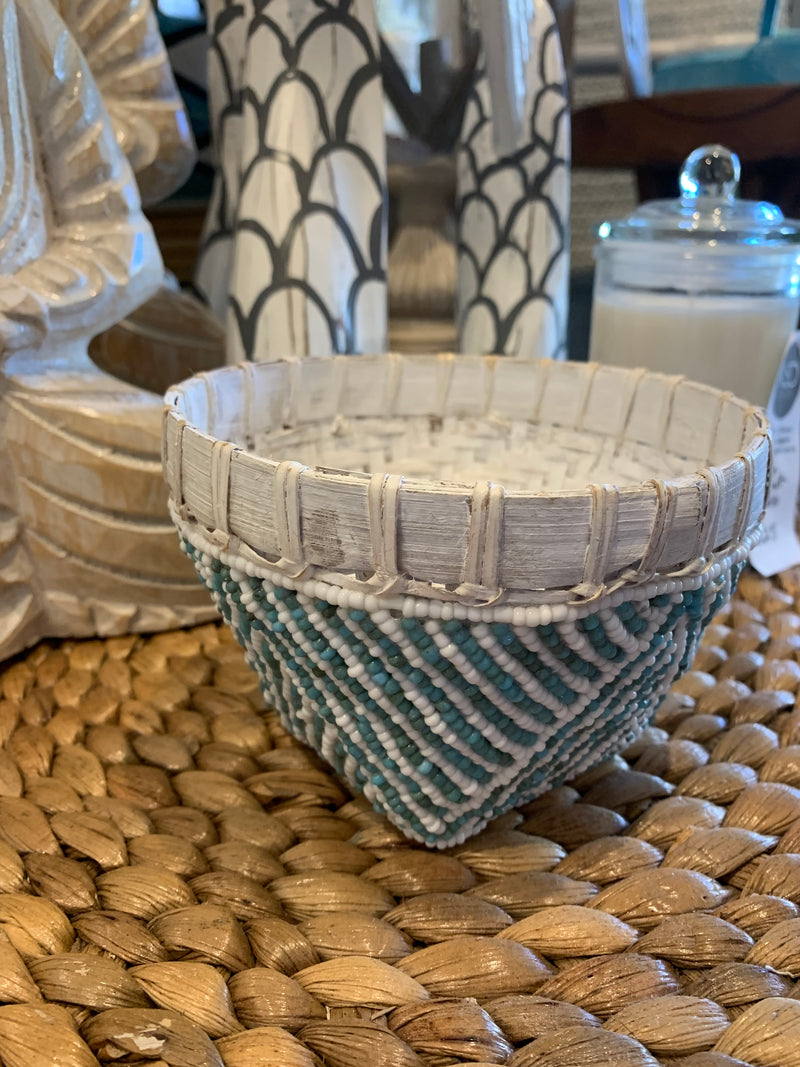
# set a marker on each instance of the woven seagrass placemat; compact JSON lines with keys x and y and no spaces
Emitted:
{"x":181,"y":883}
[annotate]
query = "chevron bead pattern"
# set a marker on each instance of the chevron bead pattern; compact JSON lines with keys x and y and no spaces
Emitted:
{"x":445,"y":717}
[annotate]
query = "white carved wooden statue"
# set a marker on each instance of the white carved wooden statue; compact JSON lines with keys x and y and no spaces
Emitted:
{"x":85,"y":543}
{"x":124,"y":50}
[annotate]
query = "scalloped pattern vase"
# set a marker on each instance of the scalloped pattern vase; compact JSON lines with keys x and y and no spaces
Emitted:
{"x":294,"y":251}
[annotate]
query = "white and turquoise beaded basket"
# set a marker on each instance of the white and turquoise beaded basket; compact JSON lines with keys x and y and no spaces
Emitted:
{"x":463,"y":579}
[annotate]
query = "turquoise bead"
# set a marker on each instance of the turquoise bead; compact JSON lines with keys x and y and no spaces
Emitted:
{"x":306,"y":680}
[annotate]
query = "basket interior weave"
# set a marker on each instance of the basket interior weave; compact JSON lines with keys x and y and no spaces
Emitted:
{"x":523,"y":455}
{"x":531,"y":425}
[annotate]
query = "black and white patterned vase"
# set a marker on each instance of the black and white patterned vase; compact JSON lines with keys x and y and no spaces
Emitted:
{"x":513,"y":172}
{"x":295,"y":243}
{"x":227,"y":25}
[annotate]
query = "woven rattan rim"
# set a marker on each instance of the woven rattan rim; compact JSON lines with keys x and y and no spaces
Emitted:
{"x":354,"y":596}
{"x":479,"y":542}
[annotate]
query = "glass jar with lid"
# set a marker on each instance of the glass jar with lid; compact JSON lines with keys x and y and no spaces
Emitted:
{"x":706,"y":285}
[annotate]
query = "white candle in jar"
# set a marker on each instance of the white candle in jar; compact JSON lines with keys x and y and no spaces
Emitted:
{"x":731,"y":342}
{"x":705,"y":285}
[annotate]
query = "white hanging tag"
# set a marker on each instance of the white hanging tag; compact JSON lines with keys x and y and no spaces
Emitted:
{"x":779,"y":547}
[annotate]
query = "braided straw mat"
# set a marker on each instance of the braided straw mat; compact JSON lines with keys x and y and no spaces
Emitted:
{"x":183,"y":884}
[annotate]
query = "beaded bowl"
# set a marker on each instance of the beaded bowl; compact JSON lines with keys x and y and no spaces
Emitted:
{"x":463,"y":580}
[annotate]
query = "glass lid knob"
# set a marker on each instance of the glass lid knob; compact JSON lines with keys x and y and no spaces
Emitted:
{"x":710,"y":171}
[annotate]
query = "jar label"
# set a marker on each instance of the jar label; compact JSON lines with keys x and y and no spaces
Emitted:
{"x":779,"y":547}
